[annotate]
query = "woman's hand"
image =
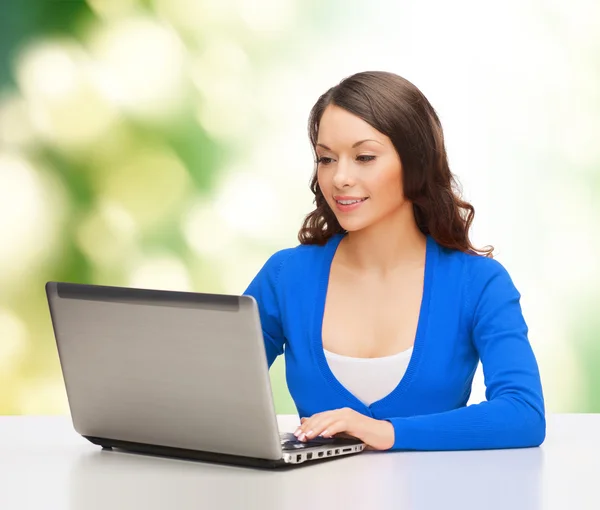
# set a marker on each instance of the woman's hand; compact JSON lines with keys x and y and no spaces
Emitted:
{"x":377,"y":434}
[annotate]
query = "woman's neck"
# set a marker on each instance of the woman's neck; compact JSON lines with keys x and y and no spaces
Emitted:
{"x":391,"y":244}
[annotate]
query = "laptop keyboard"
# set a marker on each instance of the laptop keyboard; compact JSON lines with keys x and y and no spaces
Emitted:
{"x":290,"y":442}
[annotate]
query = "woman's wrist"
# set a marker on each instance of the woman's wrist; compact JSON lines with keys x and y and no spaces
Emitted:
{"x":378,"y":434}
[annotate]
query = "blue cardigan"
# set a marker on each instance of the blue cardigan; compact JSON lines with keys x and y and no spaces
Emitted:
{"x":470,"y":311}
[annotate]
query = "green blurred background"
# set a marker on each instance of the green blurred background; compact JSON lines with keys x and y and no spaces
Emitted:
{"x":162,"y":144}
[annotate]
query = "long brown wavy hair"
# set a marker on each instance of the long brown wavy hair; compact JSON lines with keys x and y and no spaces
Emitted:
{"x":399,"y":110}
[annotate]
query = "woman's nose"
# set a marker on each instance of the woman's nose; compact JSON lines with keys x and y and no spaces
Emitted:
{"x":343,"y":175}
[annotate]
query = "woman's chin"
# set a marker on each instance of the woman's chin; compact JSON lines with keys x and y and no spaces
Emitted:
{"x":353,"y":226}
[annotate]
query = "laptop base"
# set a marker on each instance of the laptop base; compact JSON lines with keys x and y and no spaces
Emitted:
{"x":182,"y":453}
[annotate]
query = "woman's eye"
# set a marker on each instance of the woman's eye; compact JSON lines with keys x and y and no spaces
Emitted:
{"x":324,"y":160}
{"x":365,"y":158}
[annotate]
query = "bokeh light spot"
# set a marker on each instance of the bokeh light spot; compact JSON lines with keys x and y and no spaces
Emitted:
{"x":13,"y":341}
{"x":164,"y":272}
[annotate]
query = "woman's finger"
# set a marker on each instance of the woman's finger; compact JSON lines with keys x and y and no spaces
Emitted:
{"x":306,"y":424}
{"x":313,"y":426}
{"x":317,"y":427}
{"x":336,"y":427}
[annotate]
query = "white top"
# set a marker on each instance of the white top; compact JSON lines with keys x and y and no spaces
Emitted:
{"x":369,"y":379}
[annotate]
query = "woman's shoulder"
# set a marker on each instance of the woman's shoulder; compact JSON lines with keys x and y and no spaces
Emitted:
{"x":296,"y":258}
{"x":473,"y":265}
{"x":482,"y":268}
{"x":485,"y":278}
{"x":475,"y":272}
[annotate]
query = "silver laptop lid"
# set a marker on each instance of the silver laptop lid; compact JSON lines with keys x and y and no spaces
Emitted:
{"x":178,"y":369}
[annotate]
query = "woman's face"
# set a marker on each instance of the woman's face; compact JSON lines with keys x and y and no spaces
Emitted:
{"x":359,"y":170}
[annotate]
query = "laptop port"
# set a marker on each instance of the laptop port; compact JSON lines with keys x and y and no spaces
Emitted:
{"x":308,"y":456}
{"x":337,"y":452}
{"x":347,"y":450}
{"x":298,"y":457}
{"x":320,"y":454}
{"x":328,"y":453}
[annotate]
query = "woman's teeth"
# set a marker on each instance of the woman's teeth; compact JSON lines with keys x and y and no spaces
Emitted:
{"x":350,"y":202}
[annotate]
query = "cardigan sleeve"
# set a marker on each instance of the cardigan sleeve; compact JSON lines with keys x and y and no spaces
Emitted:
{"x":264,"y":289}
{"x":513,"y":414}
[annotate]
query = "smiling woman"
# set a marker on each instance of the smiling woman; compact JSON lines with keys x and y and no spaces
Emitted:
{"x":385,"y":309}
{"x":350,"y":174}
{"x":381,"y":123}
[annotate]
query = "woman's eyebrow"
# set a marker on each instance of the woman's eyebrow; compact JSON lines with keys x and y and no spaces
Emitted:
{"x":354,"y":146}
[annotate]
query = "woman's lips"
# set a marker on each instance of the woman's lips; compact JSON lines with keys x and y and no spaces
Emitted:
{"x":348,"y":204}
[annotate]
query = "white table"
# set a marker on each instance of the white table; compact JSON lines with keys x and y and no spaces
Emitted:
{"x":44,"y":464}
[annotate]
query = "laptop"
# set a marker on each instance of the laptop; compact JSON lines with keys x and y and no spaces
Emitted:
{"x":171,"y":373}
